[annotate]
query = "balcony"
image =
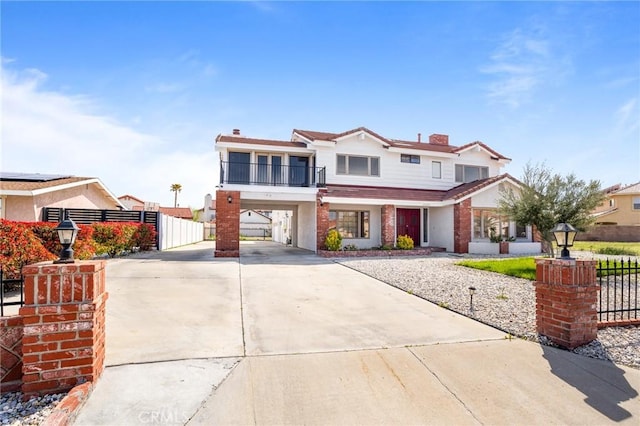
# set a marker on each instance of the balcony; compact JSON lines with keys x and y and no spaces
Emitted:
{"x":241,"y":173}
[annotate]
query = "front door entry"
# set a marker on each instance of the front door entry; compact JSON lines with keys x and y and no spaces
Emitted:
{"x":408,"y":223}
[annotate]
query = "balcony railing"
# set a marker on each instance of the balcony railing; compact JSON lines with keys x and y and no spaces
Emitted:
{"x":271,"y":174}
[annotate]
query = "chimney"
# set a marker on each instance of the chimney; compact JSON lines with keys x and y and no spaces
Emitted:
{"x":437,"y":139}
{"x":236,"y":132}
{"x":419,"y":137}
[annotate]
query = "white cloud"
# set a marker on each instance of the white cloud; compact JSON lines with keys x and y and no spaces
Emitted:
{"x":50,"y":132}
{"x":627,"y":118}
{"x":519,"y":66}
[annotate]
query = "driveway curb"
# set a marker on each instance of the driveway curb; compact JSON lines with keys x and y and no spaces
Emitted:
{"x":67,"y":410}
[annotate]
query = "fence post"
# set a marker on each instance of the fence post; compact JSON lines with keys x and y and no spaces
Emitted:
{"x":566,"y":299}
{"x":64,"y":318}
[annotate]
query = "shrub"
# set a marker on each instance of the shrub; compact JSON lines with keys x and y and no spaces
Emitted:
{"x":113,"y":238}
{"x":333,"y":241}
{"x":19,"y":246}
{"x":145,"y":237}
{"x":83,"y":248}
{"x":616,"y":251}
{"x":350,"y":247}
{"x":405,"y":242}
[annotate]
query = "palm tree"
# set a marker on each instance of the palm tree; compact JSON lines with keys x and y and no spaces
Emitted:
{"x":176,"y":187}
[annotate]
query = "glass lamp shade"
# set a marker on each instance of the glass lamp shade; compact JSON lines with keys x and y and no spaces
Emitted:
{"x":67,"y":232}
{"x":564,"y":234}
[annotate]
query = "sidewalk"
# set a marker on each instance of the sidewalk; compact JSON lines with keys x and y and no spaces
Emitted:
{"x":281,"y":336}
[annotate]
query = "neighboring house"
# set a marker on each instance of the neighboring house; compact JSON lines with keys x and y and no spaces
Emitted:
{"x":254,"y":224}
{"x":23,"y":195}
{"x":621,"y":206}
{"x":131,"y":203}
{"x":281,"y":226}
{"x":134,"y":203}
{"x":371,"y":188}
{"x":179,"y":212}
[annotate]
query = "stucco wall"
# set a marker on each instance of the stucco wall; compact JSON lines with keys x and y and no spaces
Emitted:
{"x":441,"y":227}
{"x":29,"y":209}
{"x":306,"y":226}
{"x":625,"y":215}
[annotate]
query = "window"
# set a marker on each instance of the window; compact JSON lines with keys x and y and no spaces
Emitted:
{"x":521,"y":230}
{"x":239,"y":167}
{"x":351,"y":224}
{"x":470,"y":173}
{"x":406,"y":158}
{"x":636,"y":203}
{"x":436,"y":169}
{"x":488,"y":225}
{"x":358,"y":165}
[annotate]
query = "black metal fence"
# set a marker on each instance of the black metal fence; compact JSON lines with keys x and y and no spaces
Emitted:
{"x":618,"y":299}
{"x":271,"y":174}
{"x":89,"y":216}
{"x":11,"y":292}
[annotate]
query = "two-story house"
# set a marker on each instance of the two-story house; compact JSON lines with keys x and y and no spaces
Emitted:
{"x":369,"y":187}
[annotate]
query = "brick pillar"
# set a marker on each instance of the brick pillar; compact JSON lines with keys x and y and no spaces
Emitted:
{"x":388,"y":224}
{"x":566,"y":300}
{"x":10,"y":353}
{"x":64,"y":316}
{"x":462,"y":226}
{"x":322,"y":221}
{"x":227,"y":224}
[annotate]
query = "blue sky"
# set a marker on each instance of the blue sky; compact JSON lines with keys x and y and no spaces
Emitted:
{"x":137,"y":92}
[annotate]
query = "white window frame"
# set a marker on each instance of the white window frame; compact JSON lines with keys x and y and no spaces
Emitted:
{"x":410,"y":158}
{"x":483,"y":172}
{"x":635,"y":203}
{"x":363,"y":223}
{"x":346,"y":165}
{"x":436,"y":173}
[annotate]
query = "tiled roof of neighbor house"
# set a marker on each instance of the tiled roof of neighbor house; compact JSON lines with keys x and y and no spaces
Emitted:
{"x":130,"y":197}
{"x":252,"y":141}
{"x":631,"y":189}
{"x":387,"y":193}
{"x":181,"y":212}
{"x":34,"y":185}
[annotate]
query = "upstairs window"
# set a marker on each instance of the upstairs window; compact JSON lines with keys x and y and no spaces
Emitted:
{"x":406,"y":158}
{"x":466,"y":173}
{"x":636,"y":203}
{"x":436,"y":170}
{"x":358,"y":165}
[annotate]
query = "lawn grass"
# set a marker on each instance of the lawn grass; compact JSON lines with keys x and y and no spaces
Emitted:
{"x":521,"y":267}
{"x":604,"y":247}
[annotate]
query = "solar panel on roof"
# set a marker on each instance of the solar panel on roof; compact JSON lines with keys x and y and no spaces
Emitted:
{"x":30,"y":177}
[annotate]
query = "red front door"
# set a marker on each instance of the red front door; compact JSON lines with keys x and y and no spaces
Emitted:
{"x":408,"y":223}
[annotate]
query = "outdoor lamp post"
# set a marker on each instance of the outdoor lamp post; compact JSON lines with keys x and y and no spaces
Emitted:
{"x":472,"y":291}
{"x":67,"y":232}
{"x":564,"y":234}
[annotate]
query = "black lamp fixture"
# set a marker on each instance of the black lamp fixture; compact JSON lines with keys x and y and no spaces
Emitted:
{"x":564,"y":234}
{"x":472,"y":291}
{"x":67,"y":232}
{"x":229,"y":199}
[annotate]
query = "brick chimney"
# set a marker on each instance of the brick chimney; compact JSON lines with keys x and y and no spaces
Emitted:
{"x":437,"y":139}
{"x":419,"y":137}
{"x":236,"y":132}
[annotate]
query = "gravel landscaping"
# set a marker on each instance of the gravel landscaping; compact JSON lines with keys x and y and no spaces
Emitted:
{"x":15,"y":412}
{"x":504,"y":302}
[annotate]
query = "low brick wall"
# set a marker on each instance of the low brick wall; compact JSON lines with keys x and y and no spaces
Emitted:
{"x":374,"y":253}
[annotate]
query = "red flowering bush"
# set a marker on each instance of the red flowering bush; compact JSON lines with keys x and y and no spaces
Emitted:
{"x":145,"y":237}
{"x":113,"y":238}
{"x":19,"y":246}
{"x":83,"y":248}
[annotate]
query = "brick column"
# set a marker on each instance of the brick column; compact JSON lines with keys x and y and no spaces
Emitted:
{"x":64,"y":316}
{"x":227,"y":224}
{"x":10,"y":353}
{"x":322,"y":221}
{"x":566,"y":300}
{"x":462,"y":226}
{"x":388,"y":224}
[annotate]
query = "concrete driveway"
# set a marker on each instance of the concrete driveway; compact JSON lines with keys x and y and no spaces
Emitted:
{"x":281,"y":336}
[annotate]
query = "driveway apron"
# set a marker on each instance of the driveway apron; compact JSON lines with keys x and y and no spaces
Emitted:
{"x":282,"y":336}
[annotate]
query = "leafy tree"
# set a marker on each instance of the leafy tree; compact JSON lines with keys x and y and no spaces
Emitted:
{"x":175,"y":188}
{"x":546,"y":199}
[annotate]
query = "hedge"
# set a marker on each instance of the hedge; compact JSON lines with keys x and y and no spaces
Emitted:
{"x":23,"y":243}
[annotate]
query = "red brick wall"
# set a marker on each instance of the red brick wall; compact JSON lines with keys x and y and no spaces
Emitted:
{"x":10,"y":353}
{"x":64,"y":326}
{"x":227,"y":224}
{"x":388,"y":225}
{"x":462,"y":226}
{"x":322,"y":220}
{"x":566,"y":300}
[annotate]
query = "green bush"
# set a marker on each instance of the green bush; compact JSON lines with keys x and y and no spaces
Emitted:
{"x":333,"y":241}
{"x":404,"y":242}
{"x":616,"y":251}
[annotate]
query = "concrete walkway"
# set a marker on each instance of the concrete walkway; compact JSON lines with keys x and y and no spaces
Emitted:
{"x":281,"y":336}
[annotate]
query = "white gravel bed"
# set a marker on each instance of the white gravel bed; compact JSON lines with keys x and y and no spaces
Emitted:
{"x":504,"y":302}
{"x":15,"y":412}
